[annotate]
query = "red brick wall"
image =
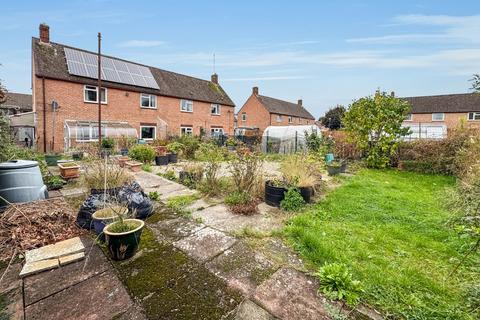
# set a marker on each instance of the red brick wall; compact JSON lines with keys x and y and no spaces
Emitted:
{"x":451,"y":120}
{"x":121,"y":106}
{"x":296,"y":121}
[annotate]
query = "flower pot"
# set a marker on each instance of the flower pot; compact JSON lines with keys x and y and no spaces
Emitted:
{"x":333,"y":170}
{"x":123,"y":245}
{"x":77,"y":156}
{"x":307,"y":193}
{"x":52,"y":159}
{"x":123,"y":160}
{"x":100,"y":220}
{"x":105,"y":153}
{"x":172,"y":157}
{"x":161,"y":160}
{"x":124,"y":152}
{"x":69,"y":170}
{"x":343,"y":167}
{"x":134,"y":166}
{"x":274,"y":195}
{"x":329,"y":157}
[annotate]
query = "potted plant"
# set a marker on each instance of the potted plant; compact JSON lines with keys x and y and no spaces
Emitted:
{"x":334,"y":167}
{"x":54,"y":182}
{"x":275,"y":192}
{"x":107,"y":147}
{"x":52,"y":158}
{"x":300,"y":173}
{"x":174,"y":148}
{"x":134,"y":166}
{"x":343,"y":167}
{"x":124,"y":143}
{"x":161,"y":158}
{"x":123,"y":237}
{"x":231,"y":143}
{"x":105,"y":216}
{"x":69,"y":170}
{"x":77,"y":155}
{"x":101,"y":177}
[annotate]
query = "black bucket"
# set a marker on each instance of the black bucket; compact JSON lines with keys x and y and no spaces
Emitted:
{"x":161,"y":160}
{"x":274,"y":195}
{"x":307,"y":193}
{"x":172,"y":157}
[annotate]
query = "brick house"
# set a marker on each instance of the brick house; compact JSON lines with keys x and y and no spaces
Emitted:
{"x":136,"y":99}
{"x":432,"y":116}
{"x":259,"y":112}
{"x":16,"y":103}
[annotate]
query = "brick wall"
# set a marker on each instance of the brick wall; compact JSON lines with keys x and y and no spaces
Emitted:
{"x":451,"y":120}
{"x":121,"y":106}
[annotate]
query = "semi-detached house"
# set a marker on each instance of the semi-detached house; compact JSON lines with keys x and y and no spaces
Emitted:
{"x":139,"y":100}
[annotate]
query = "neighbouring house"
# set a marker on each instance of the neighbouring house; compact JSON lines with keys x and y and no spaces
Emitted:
{"x":16,"y":103}
{"x":18,"y":108}
{"x":259,"y":112}
{"x":432,"y":116}
{"x":136,"y":99}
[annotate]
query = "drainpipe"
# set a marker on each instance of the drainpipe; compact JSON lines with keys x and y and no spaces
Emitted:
{"x":44,"y":117}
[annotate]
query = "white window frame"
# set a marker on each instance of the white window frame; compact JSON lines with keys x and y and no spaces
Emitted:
{"x":290,"y":119}
{"x":188,"y":104}
{"x":279,"y":118}
{"x":217,"y":108}
{"x":151,"y":98}
{"x":244,"y":117}
{"x":90,"y":88}
{"x":409,"y":117}
{"x":473,"y":115}
{"x":186,"y":130}
{"x":216,"y":131}
{"x":154,"y":133}
{"x":443,"y":116}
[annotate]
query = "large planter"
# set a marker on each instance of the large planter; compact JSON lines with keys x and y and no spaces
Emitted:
{"x":123,"y":160}
{"x":274,"y":195}
{"x":52,"y":159}
{"x":343,"y":167}
{"x":333,"y":170}
{"x":123,"y":245}
{"x":172,"y":158}
{"x":134,"y":166}
{"x":103,"y":217}
{"x":307,"y":193}
{"x":69,"y":170}
{"x":161,"y":160}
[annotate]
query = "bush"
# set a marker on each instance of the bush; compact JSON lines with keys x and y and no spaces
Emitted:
{"x":108,"y":143}
{"x":293,"y":200}
{"x":191,"y":145}
{"x":116,"y":176}
{"x":175,"y":147}
{"x":337,"y":283}
{"x":142,"y":153}
{"x":241,"y":203}
{"x":212,"y":155}
{"x":245,"y":169}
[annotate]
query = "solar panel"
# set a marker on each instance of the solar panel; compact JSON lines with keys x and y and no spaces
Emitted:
{"x":85,"y":64}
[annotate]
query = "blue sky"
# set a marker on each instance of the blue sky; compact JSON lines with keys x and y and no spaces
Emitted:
{"x":326,"y":53}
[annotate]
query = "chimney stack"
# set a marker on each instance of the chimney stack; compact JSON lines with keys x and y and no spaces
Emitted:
{"x":44,"y":33}
{"x":215,"y":78}
{"x":300,"y":102}
{"x":392,"y":93}
{"x":255,"y":91}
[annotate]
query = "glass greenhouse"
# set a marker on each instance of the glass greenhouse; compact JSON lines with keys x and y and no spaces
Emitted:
{"x":286,"y":139}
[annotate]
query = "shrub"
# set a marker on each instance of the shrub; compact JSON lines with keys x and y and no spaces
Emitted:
{"x":169,"y":174}
{"x":241,"y":203}
{"x":191,"y":145}
{"x":108,"y":143}
{"x":125,"y":142}
{"x":337,"y":283}
{"x":298,"y":171}
{"x":142,"y":153}
{"x":293,"y":200}
{"x":95,"y":171}
{"x":54,"y":182}
{"x":245,"y":169}
{"x":175,"y":147}
{"x":212,"y":155}
{"x":154,"y":195}
{"x":343,"y":148}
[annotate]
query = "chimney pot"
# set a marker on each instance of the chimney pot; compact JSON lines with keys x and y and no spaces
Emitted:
{"x":44,"y":33}
{"x":215,"y":78}
{"x":300,"y":102}
{"x":255,"y":91}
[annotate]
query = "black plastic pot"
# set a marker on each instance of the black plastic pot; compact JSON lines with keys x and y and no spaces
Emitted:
{"x":343,"y":167}
{"x":77,"y":156}
{"x":105,"y":153}
{"x":161,"y":160}
{"x":274,"y":195}
{"x":333,"y":170}
{"x":124,"y":152}
{"x":307,"y":193}
{"x":123,"y":245}
{"x":172,"y":157}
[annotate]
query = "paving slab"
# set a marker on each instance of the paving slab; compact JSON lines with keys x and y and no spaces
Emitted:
{"x":34,"y":267}
{"x":11,"y":280}
{"x":242,"y":268}
{"x":290,"y":295}
{"x":99,"y":297}
{"x":44,"y":284}
{"x":248,"y":310}
{"x":205,"y":244}
{"x":72,"y":192}
{"x":177,"y":192}
{"x":150,"y":180}
{"x":199,"y":204}
{"x":11,"y":306}
{"x":175,"y":229}
{"x":59,"y":249}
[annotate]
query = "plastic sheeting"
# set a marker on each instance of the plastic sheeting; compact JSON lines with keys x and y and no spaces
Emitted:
{"x":286,"y":139}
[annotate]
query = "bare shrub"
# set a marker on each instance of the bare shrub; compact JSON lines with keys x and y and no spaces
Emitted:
{"x":99,"y":173}
{"x":245,"y":169}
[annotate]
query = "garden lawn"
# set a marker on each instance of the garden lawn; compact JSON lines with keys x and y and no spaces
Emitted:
{"x":389,"y":228}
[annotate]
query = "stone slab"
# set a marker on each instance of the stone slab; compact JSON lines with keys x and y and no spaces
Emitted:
{"x":12,"y":305}
{"x":11,"y":280}
{"x":205,"y":244}
{"x":44,"y":284}
{"x":59,"y":249}
{"x":199,"y":204}
{"x":175,"y":229}
{"x":71,"y":258}
{"x":242,"y":268}
{"x":72,"y":192}
{"x":99,"y":297}
{"x":34,"y":267}
{"x":248,"y":310}
{"x":179,"y":192}
{"x":290,"y":295}
{"x":150,"y":180}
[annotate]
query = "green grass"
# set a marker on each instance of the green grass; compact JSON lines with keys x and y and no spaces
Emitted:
{"x":390,"y":228}
{"x":179,"y":204}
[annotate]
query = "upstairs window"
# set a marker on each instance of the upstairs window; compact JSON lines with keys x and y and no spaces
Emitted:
{"x":90,"y":94}
{"x":409,"y":117}
{"x":279,"y":118}
{"x":186,"y":105}
{"x":244,"y":116}
{"x":215,"y":109}
{"x":148,"y":101}
{"x":440,"y":116}
{"x":474,"y":116}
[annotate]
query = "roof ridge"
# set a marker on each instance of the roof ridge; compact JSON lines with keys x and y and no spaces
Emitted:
{"x":280,"y":100}
{"x":441,"y":95}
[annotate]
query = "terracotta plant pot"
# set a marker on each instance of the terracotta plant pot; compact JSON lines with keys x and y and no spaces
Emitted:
{"x":134,"y":166}
{"x":123,"y":245}
{"x":69,"y":170}
{"x":123,"y":160}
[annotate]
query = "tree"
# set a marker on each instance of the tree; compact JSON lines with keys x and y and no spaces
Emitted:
{"x":375,"y":126}
{"x":475,"y":83}
{"x":333,"y":118}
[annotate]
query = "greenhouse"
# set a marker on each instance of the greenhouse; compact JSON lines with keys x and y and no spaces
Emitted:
{"x":286,"y":139}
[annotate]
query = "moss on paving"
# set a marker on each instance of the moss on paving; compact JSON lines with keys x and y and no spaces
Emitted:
{"x":170,"y":285}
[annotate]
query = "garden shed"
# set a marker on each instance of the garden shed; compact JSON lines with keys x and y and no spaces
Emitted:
{"x":286,"y":139}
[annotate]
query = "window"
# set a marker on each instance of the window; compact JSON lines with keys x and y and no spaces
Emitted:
{"x":290,"y":120}
{"x":473,"y":116}
{"x":244,"y":116}
{"x":215,"y":109}
{"x":438,"y":116}
{"x":148,"y":101}
{"x":90,"y":94}
{"x":279,"y":118}
{"x":186,"y":105}
{"x":148,"y":132}
{"x":186,"y":131}
{"x":216,"y":131}
{"x":409,"y":117}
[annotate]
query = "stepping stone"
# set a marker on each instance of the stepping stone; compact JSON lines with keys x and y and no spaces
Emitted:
{"x":291,"y":295}
{"x":248,"y":310}
{"x":242,"y":268}
{"x":55,"y":250}
{"x":38,"y":266}
{"x":176,"y":229}
{"x":205,"y":244}
{"x":71,"y":258}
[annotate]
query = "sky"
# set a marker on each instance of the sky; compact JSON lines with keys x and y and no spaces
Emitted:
{"x":324,"y":52}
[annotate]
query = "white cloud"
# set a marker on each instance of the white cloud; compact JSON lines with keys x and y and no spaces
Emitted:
{"x":140,"y":43}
